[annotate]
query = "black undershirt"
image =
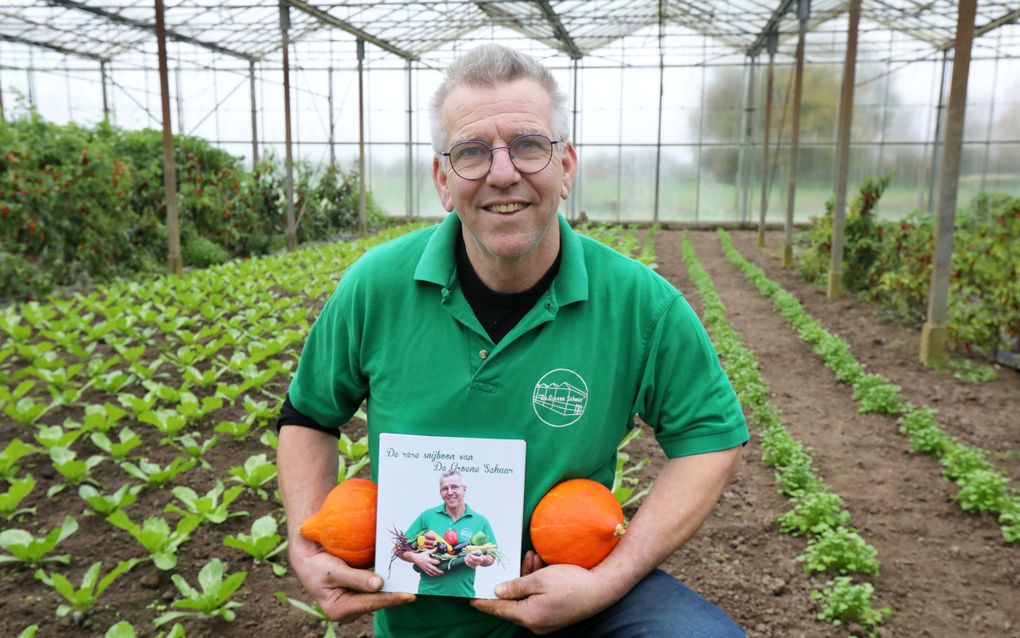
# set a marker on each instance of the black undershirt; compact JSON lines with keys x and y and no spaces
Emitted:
{"x":497,"y":312}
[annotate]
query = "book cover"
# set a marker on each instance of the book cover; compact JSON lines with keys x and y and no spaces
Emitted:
{"x":450,"y":514}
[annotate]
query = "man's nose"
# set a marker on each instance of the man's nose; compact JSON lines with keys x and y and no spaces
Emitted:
{"x":502,"y":172}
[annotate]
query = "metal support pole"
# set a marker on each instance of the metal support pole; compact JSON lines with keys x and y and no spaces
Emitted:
{"x":803,"y":11}
{"x":573,"y":140}
{"x":935,"y":332}
{"x":701,"y":132}
{"x":332,"y":119}
{"x":409,"y":194}
{"x":743,"y":177}
{"x":361,"y":137}
{"x":30,"y":76}
{"x":175,"y":263}
{"x":288,"y":154}
{"x":179,"y":100}
{"x":658,"y":138}
{"x":846,"y":116}
{"x":254,"y":118}
{"x":765,"y":174}
{"x":991,"y":119}
{"x":105,"y":81}
{"x":940,"y":111}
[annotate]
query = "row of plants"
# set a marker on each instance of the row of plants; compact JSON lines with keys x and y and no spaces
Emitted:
{"x":818,"y":513}
{"x":890,"y":262}
{"x":140,"y":396}
{"x":982,"y":488}
{"x":80,"y":205}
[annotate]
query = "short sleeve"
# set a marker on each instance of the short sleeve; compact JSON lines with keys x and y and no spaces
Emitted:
{"x":684,"y":394}
{"x":329,"y":384}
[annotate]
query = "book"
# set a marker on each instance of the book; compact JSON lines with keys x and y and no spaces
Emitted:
{"x":449,"y":515}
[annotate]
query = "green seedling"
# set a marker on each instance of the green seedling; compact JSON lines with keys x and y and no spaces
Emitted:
{"x":256,"y":472}
{"x":16,"y":492}
{"x":27,"y":410}
{"x":51,"y":436}
{"x":841,"y":551}
{"x":104,"y":505}
{"x":262,"y":544}
{"x":271,"y":440}
{"x":258,"y":411}
{"x":230,"y":391}
{"x":844,"y":603}
{"x":204,"y":379}
{"x":29,"y":550}
{"x":983,"y":491}
{"x":66,"y":462}
{"x":29,"y":632}
{"x":127,"y":440}
{"x":112,"y":382}
{"x":81,"y":600}
{"x":168,"y":422}
{"x":155,"y":536}
{"x":238,"y":429}
{"x":138,"y":405}
{"x":315,"y":611}
{"x":154,"y":475}
{"x":209,"y":508}
{"x":102,"y":418}
{"x":191,"y":408}
{"x":12,"y":453}
{"x":813,"y":513}
{"x":196,"y":450}
{"x":214,"y":599}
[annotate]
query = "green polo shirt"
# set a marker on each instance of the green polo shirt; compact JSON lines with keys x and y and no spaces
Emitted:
{"x":610,"y":338}
{"x":459,"y":581}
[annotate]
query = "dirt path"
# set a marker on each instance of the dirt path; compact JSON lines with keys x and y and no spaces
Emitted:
{"x":981,"y":414}
{"x":944,"y":573}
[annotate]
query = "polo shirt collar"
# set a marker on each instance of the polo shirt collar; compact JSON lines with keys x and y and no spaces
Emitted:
{"x":467,"y":511}
{"x":437,"y":264}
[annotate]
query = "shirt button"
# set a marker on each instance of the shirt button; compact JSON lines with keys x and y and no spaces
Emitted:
{"x":482,"y":354}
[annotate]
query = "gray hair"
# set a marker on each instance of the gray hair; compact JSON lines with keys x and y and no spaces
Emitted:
{"x":449,"y":474}
{"x":490,"y":65}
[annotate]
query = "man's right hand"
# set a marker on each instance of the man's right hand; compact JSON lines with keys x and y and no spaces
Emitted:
{"x":343,"y":592}
{"x":425,"y":562}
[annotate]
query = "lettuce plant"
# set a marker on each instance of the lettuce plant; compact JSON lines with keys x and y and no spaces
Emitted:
{"x":262,"y":544}
{"x":153,"y":474}
{"x":27,"y":549}
{"x":155,"y":536}
{"x":213,"y":601}
{"x":105,"y":505}
{"x":84,"y":598}
{"x":16,"y":492}
{"x":256,"y":472}
{"x":209,"y":508}
{"x":127,"y":440}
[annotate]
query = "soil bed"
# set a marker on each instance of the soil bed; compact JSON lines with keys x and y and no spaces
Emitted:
{"x":943,"y":572}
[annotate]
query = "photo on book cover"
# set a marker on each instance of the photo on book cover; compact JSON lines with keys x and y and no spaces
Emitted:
{"x":450,"y":514}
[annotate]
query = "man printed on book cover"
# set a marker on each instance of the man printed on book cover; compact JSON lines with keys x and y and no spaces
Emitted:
{"x":456,"y":576}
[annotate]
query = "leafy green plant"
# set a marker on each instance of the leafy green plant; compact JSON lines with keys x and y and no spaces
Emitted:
{"x":844,"y":603}
{"x":168,"y":422}
{"x":839,"y":550}
{"x":213,"y":507}
{"x":102,"y":418}
{"x":236,"y":429}
{"x":312,"y":610}
{"x":127,"y":440}
{"x":105,"y":505}
{"x":960,"y":460}
{"x":875,"y":394}
{"x":262,"y":544}
{"x":26,"y":548}
{"x":983,"y":491}
{"x":256,"y":472}
{"x":972,"y":371}
{"x":16,"y":492}
{"x":155,"y":535}
{"x":195,"y":449}
{"x":66,"y":462}
{"x":51,"y":436}
{"x":213,"y":601}
{"x":155,"y":475}
{"x":925,"y":434}
{"x":12,"y":453}
{"x":84,"y":598}
{"x":813,"y":513}
{"x":624,"y":484}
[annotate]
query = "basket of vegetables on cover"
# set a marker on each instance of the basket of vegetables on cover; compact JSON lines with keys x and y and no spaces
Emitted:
{"x":447,"y":547}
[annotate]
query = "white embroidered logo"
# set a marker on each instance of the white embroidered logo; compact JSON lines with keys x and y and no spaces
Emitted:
{"x":560,"y":397}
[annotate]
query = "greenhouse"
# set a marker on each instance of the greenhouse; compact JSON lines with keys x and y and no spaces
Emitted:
{"x":833,"y":187}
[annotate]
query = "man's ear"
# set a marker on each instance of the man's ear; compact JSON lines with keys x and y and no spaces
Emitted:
{"x":569,"y":162}
{"x":442,"y":181}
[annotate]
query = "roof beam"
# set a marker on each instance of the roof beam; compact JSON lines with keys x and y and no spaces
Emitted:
{"x":569,"y":46}
{"x":333,"y":21}
{"x":148,"y":26}
{"x":52,"y":47}
{"x":772,"y":26}
{"x":1012,"y":16}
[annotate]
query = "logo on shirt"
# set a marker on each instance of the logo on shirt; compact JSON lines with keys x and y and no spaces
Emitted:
{"x":560,"y":397}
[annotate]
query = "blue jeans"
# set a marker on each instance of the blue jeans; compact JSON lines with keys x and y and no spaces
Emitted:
{"x":659,"y":606}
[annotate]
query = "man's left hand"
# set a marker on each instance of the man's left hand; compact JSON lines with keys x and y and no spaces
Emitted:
{"x":550,"y":598}
{"x":478,"y":559}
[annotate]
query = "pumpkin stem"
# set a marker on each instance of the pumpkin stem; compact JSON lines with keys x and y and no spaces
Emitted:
{"x":621,"y":529}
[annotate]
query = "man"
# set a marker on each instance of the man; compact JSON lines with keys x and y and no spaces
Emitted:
{"x":502,"y":323}
{"x":454,"y":577}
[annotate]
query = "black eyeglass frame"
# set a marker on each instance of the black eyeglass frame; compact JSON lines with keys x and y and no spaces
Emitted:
{"x":493,"y":149}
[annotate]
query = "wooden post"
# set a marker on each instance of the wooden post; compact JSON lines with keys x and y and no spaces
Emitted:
{"x":935,"y":332}
{"x":361,"y":137}
{"x":174,"y":261}
{"x":744,"y":169}
{"x":254,"y":119}
{"x":765,"y":173}
{"x":288,"y":153}
{"x":803,"y":10}
{"x":846,"y":115}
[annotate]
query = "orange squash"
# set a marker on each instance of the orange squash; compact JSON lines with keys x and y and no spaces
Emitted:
{"x":345,"y":524}
{"x":578,"y":522}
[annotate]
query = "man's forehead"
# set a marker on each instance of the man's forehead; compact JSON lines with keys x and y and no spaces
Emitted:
{"x":516,"y":107}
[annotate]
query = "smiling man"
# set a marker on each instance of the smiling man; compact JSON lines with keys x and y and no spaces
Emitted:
{"x":503,"y":323}
{"x":454,"y":577}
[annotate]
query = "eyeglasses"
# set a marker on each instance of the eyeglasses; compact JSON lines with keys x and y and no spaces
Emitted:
{"x":450,"y":488}
{"x":529,"y":154}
